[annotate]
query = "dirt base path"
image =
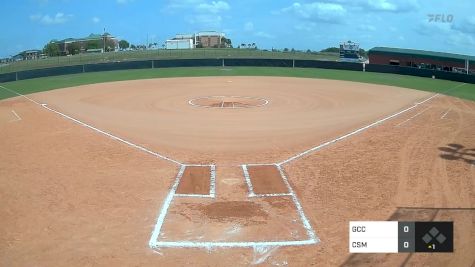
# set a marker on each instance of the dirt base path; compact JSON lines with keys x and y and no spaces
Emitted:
{"x":72,"y":197}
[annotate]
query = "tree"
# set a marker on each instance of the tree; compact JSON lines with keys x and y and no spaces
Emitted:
{"x":123,"y":44}
{"x":110,"y":45}
{"x":254,"y":45}
{"x":363,"y":53}
{"x":52,"y":49}
{"x":93,"y":44}
{"x":133,"y":47}
{"x":73,"y":48}
{"x":331,"y":50}
{"x":226,"y":43}
{"x":243,"y":45}
{"x":286,"y":49}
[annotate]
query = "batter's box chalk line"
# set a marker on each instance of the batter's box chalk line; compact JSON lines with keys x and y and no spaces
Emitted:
{"x":212,"y":182}
{"x":156,"y":243}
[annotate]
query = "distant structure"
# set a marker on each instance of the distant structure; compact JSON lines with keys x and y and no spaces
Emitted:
{"x":349,"y":52}
{"x":206,"y":39}
{"x":422,"y":59}
{"x":93,"y":42}
{"x":28,"y":55}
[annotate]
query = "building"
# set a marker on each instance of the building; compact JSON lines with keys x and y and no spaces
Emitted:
{"x":422,"y":59}
{"x":104,"y":41}
{"x":179,"y":44}
{"x":209,"y":39}
{"x":28,"y":55}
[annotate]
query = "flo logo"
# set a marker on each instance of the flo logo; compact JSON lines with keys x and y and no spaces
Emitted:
{"x":442,"y":18}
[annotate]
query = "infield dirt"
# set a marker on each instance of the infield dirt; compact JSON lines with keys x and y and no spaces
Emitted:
{"x":72,"y":197}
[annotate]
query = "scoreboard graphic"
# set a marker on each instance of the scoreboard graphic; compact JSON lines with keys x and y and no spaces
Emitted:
{"x":400,"y":237}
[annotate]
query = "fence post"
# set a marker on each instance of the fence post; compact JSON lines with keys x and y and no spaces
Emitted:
{"x":16,"y":76}
{"x":293,"y":63}
{"x":223,"y":62}
{"x":153,"y":64}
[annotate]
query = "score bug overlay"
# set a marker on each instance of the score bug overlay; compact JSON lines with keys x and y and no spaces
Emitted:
{"x":396,"y":237}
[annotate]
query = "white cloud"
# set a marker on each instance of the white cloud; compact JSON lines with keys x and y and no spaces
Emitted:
{"x":264,"y":35}
{"x":206,"y":20}
{"x":203,"y":13}
{"x":249,"y":26}
{"x":392,"y":5}
{"x":59,"y":18}
{"x":366,"y":27}
{"x":466,"y":25}
{"x":96,"y":20}
{"x":318,"y":11}
{"x":122,"y":2}
{"x":182,"y":4}
{"x":213,"y":7}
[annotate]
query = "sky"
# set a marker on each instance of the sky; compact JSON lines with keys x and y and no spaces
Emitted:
{"x":438,"y":25}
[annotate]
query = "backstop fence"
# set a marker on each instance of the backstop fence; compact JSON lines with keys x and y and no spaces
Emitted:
{"x":234,"y":62}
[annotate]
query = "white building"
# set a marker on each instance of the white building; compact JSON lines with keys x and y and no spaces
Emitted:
{"x":180,"y":44}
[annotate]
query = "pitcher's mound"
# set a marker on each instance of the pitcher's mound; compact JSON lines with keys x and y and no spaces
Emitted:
{"x":228,"y":102}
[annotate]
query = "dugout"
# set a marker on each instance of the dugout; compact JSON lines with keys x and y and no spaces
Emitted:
{"x":422,"y":59}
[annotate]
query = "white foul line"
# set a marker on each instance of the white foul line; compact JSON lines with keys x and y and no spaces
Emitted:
{"x":96,"y":129}
{"x":445,"y":114}
{"x":310,"y":232}
{"x":419,"y":113}
{"x":306,"y":152}
{"x":111,"y":135}
{"x":18,"y":118}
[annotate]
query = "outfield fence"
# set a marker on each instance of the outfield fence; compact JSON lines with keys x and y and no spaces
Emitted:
{"x":233,"y":62}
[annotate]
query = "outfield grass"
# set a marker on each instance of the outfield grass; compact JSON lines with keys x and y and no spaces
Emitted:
{"x":161,"y":54}
{"x":48,"y":83}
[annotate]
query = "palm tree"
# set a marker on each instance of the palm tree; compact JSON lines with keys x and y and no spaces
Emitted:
{"x":253,"y":45}
{"x":243,"y":45}
{"x":249,"y":45}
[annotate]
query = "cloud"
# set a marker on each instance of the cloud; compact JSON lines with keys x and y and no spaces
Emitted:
{"x":96,"y":20}
{"x":122,"y":2}
{"x":318,"y":11}
{"x":205,"y":20}
{"x":213,"y":7}
{"x":249,"y":26}
{"x":366,"y":27}
{"x":182,"y":4}
{"x":264,"y":35}
{"x":466,"y":25}
{"x":59,"y":18}
{"x":391,"y":5}
{"x":203,"y":13}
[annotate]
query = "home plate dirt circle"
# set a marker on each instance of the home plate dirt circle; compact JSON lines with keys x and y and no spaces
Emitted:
{"x":228,"y":102}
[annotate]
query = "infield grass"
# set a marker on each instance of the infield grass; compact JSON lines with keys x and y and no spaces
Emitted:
{"x":466,"y":91}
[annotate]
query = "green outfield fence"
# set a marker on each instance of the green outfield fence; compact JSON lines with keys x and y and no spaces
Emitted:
{"x":233,"y":62}
{"x":202,"y":53}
